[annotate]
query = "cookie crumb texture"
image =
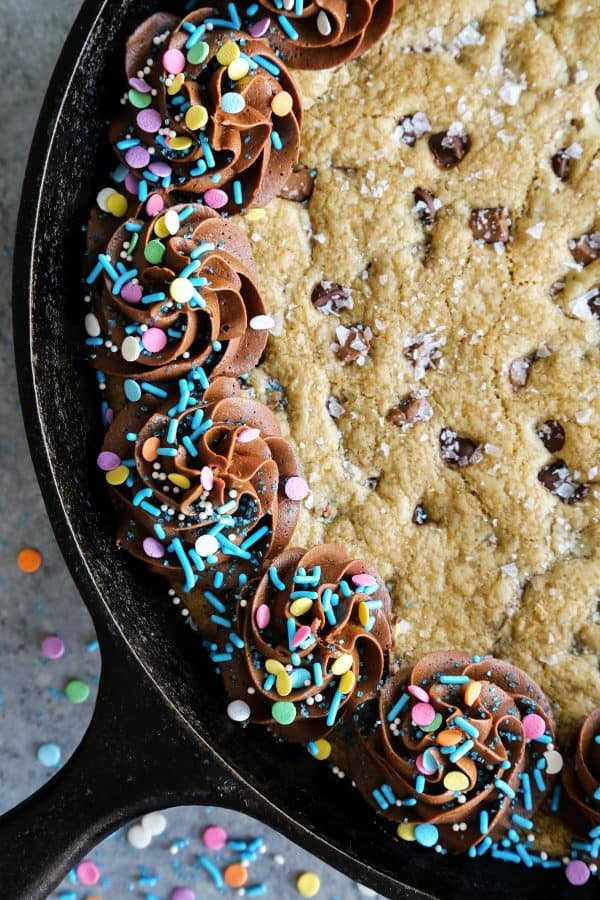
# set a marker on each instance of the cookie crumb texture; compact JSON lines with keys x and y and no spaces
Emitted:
{"x":501,"y":559}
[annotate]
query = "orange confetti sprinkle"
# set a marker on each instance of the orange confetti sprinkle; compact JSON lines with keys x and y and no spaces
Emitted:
{"x":472,"y":692}
{"x":449,"y":738}
{"x":149,"y":449}
{"x":29,"y":559}
{"x":235,"y":875}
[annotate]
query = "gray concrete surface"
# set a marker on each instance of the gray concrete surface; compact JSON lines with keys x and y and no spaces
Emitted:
{"x":33,"y":707}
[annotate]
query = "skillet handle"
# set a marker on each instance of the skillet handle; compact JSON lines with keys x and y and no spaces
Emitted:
{"x":136,"y":756}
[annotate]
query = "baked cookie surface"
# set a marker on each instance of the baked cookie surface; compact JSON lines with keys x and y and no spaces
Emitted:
{"x":482,"y":516}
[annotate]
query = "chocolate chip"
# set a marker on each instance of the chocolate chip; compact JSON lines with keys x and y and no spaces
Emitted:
{"x":410,"y":128}
{"x":491,"y":224}
{"x":458,"y":451}
{"x":409,"y":411}
{"x":594,"y":301}
{"x":329,"y":297}
{"x":585,"y":248}
{"x":419,"y":515}
{"x":425,"y":205}
{"x":299,"y":186}
{"x":518,"y":371}
{"x":448,"y":149}
{"x":423,"y":351}
{"x":354,"y":343}
{"x":556,"y":288}
{"x":557,"y":479}
{"x":561,"y":164}
{"x":552,"y":435}
{"x":597,"y":92}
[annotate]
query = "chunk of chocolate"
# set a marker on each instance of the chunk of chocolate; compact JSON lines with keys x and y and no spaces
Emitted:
{"x":419,"y":515}
{"x":299,"y":186}
{"x":557,"y":479}
{"x":423,"y":351}
{"x":448,"y":149}
{"x":425,"y":206}
{"x":552,"y":435}
{"x":353,"y":344}
{"x":518,"y":371}
{"x":329,"y":297}
{"x":561,"y":164}
{"x":409,"y":411}
{"x":458,"y":451}
{"x":491,"y":224}
{"x":585,"y":248}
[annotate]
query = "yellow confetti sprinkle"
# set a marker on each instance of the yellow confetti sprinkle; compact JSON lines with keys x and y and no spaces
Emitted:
{"x":282,"y":103}
{"x":301,"y":607}
{"x":308,"y":884}
{"x":406,"y":831}
{"x":117,"y":476}
{"x":196,"y":117}
{"x":456,"y":781}
{"x":323,"y":750}
{"x":180,"y":143}
{"x":347,"y":682}
{"x":363,"y":614}
{"x":237,"y":69}
{"x":342,"y":664}
{"x":181,"y":481}
{"x":283,"y":684}
{"x":160,"y":228}
{"x":274,"y":667}
{"x":176,"y":84}
{"x":227,"y":53}
{"x":117,"y":205}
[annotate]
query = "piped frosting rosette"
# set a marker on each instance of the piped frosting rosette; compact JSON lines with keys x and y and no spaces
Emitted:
{"x":210,"y":112}
{"x":312,"y":640}
{"x":321,"y":34}
{"x":455,"y":752}
{"x":581,"y":779}
{"x":201,"y":486}
{"x":176,"y":292}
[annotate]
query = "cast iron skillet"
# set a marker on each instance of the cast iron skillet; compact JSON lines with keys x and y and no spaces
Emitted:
{"x":159,"y":735}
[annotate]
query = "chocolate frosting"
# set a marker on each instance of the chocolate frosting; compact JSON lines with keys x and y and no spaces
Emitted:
{"x":326,"y":32}
{"x":254,"y":147}
{"x":212,"y":329}
{"x":483,"y":719}
{"x":224,"y":475}
{"x":316,"y":625}
{"x":581,"y":779}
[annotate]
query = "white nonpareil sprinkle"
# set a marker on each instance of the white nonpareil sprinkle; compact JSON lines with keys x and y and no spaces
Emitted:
{"x":323,"y":23}
{"x":262,"y":323}
{"x":154,"y":823}
{"x":138,"y":837}
{"x":238,"y":711}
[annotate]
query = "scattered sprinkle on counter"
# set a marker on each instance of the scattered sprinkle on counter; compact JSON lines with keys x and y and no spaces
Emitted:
{"x":29,"y":560}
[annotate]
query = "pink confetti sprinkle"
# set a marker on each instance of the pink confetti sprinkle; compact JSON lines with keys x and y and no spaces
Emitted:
{"x":183,"y":893}
{"x":247,"y":434}
{"x":300,"y":636}
{"x":296,"y":488}
{"x":263,"y":616}
{"x":153,"y":548}
{"x":533,"y":726}
{"x":149,"y":120}
{"x":162,"y":169}
{"x":215,"y":198}
{"x":131,"y":183}
{"x":422,"y":714}
{"x":53,"y":647}
{"x":173,"y":61}
{"x":363,"y":579}
{"x":107,"y":460}
{"x":420,"y":762}
{"x":207,"y":479}
{"x":214,"y":837}
{"x":154,"y":340}
{"x":154,"y":204}
{"x":131,"y":292}
{"x":260,"y":28}
{"x":137,"y":157}
{"x":418,"y":692}
{"x":140,"y":85}
{"x":577,"y":872}
{"x":88,"y":872}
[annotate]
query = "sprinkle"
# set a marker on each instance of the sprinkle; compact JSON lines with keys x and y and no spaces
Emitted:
{"x":153,"y":548}
{"x":29,"y":560}
{"x":88,"y":872}
{"x":117,"y":476}
{"x":235,"y":875}
{"x":533,"y":726}
{"x":53,"y":647}
{"x":213,"y":871}
{"x":454,"y":679}
{"x":539,"y":780}
{"x":406,"y":831}
{"x":466,"y":726}
{"x":456,"y":781}
{"x":215,"y":198}
{"x":461,"y":751}
{"x":246,"y":435}
{"x":472,"y":692}
{"x":276,"y":581}
{"x":398,"y":707}
{"x":276,"y":140}
{"x":287,"y":26}
{"x":107,"y":460}
{"x":284,"y":712}
{"x":422,"y":714}
{"x":320,"y":749}
{"x":238,"y":711}
{"x":137,"y":157}
{"x":426,"y":834}
{"x":255,"y":890}
{"x":415,"y":691}
{"x":154,"y":823}
{"x":554,"y":762}
{"x":323,"y":23}
{"x":342,"y":664}
{"x":77,"y":691}
{"x":150,"y":121}
{"x":260,"y":28}
{"x":182,"y":893}
{"x":262,"y":616}
{"x":334,"y":707}
{"x":214,"y":837}
{"x":49,"y":755}
{"x":577,"y":872}
{"x":154,"y":340}
{"x":522,"y":822}
{"x":173,"y":61}
{"x":262,"y":323}
{"x":282,"y":104}
{"x":308,"y":884}
{"x":206,"y":545}
{"x":130,"y":348}
{"x":505,"y":788}
{"x":484,"y":822}
{"x":232,"y":102}
{"x":196,"y":117}
{"x":138,"y":837}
